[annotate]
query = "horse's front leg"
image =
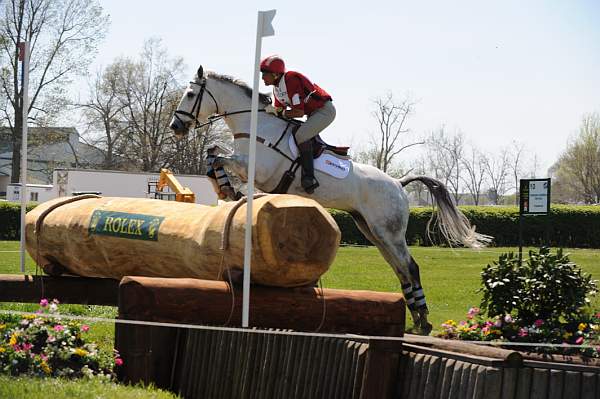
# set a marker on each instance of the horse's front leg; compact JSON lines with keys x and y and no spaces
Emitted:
{"x":238,"y":164}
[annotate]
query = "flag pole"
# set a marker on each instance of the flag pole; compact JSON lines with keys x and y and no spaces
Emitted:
{"x":263,"y":28}
{"x":24,"y":58}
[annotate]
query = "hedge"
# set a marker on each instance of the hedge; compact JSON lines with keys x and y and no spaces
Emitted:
{"x":567,"y":225}
{"x":10,"y":219}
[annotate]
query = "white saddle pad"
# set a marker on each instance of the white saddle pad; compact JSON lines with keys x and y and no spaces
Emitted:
{"x":326,"y":162}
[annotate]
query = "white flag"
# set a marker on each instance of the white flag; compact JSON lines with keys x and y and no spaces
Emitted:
{"x":266,"y":18}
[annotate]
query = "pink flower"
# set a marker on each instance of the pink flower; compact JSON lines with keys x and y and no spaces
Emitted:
{"x":85,"y":328}
{"x":44,"y":303}
{"x":26,"y":346}
{"x":522,"y":332}
{"x":508,"y":318}
{"x":118,"y":361}
{"x":538,"y":323}
{"x":579,"y":341}
{"x":50,"y":339}
{"x":474,"y":311}
{"x":59,"y":327}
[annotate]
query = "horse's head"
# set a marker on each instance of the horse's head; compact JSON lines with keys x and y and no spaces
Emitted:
{"x":192,"y":109}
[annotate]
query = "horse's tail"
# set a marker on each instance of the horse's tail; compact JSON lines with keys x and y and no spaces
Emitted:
{"x":453,"y":224}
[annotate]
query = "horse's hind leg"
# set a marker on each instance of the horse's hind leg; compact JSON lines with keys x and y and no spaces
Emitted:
{"x":411,"y":282}
{"x":418,"y":296}
{"x":413,"y":291}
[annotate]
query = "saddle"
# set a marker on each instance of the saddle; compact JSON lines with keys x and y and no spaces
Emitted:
{"x":319,"y":145}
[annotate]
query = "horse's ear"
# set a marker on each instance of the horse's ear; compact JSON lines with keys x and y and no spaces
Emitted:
{"x":200,"y":72}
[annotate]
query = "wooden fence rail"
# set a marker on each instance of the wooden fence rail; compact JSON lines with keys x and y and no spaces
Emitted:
{"x":432,"y":373}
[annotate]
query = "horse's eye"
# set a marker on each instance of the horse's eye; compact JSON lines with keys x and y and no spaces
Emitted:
{"x":190,"y":94}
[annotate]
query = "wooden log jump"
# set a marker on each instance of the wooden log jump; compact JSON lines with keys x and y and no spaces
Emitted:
{"x":302,"y":309}
{"x":150,"y":353}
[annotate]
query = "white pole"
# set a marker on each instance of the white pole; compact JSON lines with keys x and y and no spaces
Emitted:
{"x":24,"y":55}
{"x":263,"y":28}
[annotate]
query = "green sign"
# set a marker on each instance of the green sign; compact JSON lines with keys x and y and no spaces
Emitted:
{"x":126,"y":225}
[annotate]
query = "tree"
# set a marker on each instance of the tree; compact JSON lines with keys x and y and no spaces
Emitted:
{"x":497,"y":169}
{"x":149,"y":91}
{"x":516,"y":166}
{"x":103,"y":113}
{"x":392,"y":119}
{"x":578,"y":168}
{"x":63,"y":36}
{"x":445,"y":158}
{"x":474,"y":166}
{"x":419,"y":167}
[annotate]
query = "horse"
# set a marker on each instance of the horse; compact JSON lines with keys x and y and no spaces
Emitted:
{"x":377,"y":202}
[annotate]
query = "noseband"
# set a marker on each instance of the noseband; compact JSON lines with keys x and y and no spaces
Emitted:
{"x":193,"y":114}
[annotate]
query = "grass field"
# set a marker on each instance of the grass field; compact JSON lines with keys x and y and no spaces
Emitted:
{"x":450,"y":277}
{"x":36,"y":388}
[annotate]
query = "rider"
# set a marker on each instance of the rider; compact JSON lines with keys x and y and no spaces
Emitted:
{"x":296,"y":96}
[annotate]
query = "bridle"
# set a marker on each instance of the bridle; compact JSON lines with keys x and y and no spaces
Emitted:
{"x":193,"y":114}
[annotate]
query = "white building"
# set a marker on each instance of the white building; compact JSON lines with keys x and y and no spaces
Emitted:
{"x":49,"y":148}
{"x":108,"y":183}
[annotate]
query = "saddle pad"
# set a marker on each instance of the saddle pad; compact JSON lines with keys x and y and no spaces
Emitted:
{"x":326,"y":162}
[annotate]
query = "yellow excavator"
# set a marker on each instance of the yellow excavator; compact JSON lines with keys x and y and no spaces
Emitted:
{"x":182,"y":194}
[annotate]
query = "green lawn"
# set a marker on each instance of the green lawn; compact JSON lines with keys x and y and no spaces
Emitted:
{"x":450,"y":278}
{"x":36,"y":388}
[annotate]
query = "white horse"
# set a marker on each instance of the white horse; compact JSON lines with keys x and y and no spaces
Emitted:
{"x":376,"y":201}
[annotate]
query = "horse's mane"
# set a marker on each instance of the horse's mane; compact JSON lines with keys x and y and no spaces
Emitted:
{"x":263,"y":98}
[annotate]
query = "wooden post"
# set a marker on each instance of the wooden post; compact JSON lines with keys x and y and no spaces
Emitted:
{"x":80,"y":290}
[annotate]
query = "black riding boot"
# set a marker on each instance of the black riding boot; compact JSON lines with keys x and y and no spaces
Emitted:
{"x":309,"y":183}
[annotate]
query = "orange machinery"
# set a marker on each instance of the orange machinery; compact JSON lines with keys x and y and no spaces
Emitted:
{"x":182,"y":194}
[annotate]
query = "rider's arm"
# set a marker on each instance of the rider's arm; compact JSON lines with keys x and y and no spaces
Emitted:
{"x":293,"y":113}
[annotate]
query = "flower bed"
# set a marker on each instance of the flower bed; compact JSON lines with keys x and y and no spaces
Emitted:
{"x":543,"y":300}
{"x":477,"y":327}
{"x":43,"y":345}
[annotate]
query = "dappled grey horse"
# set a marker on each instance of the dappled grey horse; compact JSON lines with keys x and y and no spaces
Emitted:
{"x":376,"y":201}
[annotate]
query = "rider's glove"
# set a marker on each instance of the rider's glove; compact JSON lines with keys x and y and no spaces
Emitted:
{"x":273,"y":110}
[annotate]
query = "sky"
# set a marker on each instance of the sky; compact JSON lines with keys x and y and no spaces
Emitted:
{"x":498,"y":71}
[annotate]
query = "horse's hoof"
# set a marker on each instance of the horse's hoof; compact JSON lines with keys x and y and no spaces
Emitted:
{"x":425,"y":330}
{"x":309,"y":186}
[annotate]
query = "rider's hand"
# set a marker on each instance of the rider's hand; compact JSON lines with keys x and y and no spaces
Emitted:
{"x":273,"y":110}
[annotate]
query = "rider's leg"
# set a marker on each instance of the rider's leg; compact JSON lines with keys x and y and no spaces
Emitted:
{"x":315,"y":123}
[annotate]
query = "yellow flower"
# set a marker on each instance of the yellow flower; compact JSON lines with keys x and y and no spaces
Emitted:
{"x":45,"y":368}
{"x":80,"y":352}
{"x":13,"y":339}
{"x":2,"y":327}
{"x":567,"y":335}
{"x":450,"y":323}
{"x":29,"y":317}
{"x":2,"y":349}
{"x":582,"y":326}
